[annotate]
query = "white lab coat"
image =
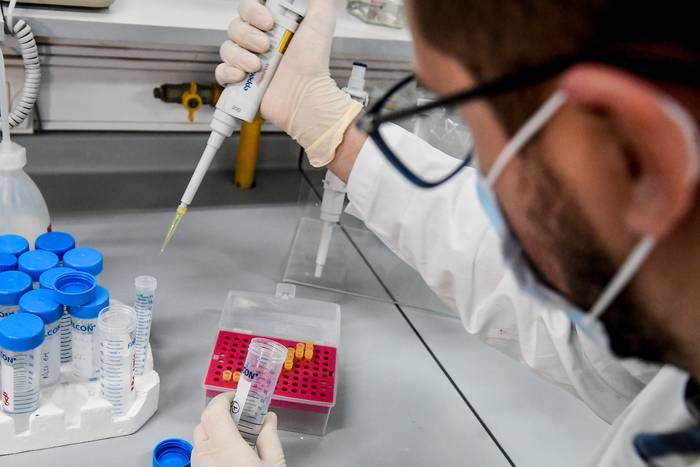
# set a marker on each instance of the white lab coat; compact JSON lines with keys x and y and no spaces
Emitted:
{"x":444,"y":234}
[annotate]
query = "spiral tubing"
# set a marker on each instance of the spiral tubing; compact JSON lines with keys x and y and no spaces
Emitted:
{"x":32,"y":73}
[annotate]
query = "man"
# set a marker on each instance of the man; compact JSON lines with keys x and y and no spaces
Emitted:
{"x":585,"y":120}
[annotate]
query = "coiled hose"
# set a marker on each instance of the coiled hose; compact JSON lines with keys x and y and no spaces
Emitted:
{"x":32,"y":73}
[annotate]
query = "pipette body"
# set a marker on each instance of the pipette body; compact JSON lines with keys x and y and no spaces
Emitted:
{"x":241,"y":101}
{"x":333,"y":188}
{"x":331,"y":210}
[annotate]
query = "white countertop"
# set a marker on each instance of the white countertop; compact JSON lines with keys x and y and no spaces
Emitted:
{"x":393,"y":400}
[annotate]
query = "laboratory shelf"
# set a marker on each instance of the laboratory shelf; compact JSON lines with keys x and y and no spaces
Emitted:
{"x":201,"y":23}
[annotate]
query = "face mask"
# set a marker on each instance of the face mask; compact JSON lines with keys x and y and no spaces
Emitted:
{"x":588,"y":323}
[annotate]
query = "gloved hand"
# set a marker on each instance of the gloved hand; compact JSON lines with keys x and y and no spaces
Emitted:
{"x":217,"y":442}
{"x":303,"y":100}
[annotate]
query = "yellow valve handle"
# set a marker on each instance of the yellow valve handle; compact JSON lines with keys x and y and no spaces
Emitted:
{"x":191,"y":101}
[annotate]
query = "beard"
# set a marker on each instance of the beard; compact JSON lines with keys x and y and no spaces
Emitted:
{"x":586,"y":268}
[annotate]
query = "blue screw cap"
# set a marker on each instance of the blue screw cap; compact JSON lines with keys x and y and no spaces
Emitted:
{"x":47,"y":278}
{"x":41,"y":303}
{"x":172,"y":452}
{"x":13,"y":284}
{"x":13,"y":244}
{"x":92,"y":309}
{"x":74,"y":288}
{"x":55,"y":242}
{"x":37,"y":262}
{"x":84,"y":259}
{"x":21,"y":332}
{"x":8,"y":262}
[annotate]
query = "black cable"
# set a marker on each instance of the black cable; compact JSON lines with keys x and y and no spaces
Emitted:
{"x":2,"y":12}
{"x":407,"y":319}
{"x":37,"y":115}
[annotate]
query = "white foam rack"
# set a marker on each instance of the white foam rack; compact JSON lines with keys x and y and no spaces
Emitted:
{"x":74,"y":412}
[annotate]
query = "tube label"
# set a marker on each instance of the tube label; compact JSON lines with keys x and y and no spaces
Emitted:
{"x":242,"y":392}
{"x":51,"y":355}
{"x":8,"y":382}
{"x":84,"y":346}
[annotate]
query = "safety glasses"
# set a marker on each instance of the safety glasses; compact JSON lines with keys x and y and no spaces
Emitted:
{"x":383,"y":113}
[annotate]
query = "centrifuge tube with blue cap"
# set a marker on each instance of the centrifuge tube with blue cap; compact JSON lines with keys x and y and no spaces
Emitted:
{"x":37,"y":262}
{"x":84,"y":259}
{"x":144,"y":302}
{"x":85,"y":343}
{"x":85,"y":299}
{"x":21,"y":336}
{"x":13,"y":244}
{"x":55,"y":242}
{"x":262,"y":368}
{"x":48,"y":278}
{"x":46,"y":281}
{"x":13,"y":285}
{"x":41,"y":303}
{"x":116,"y":327}
{"x":8,"y":262}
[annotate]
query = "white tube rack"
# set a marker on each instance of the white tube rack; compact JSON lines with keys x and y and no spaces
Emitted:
{"x":74,"y":412}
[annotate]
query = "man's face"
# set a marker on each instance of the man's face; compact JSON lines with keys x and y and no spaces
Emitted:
{"x":558,"y":200}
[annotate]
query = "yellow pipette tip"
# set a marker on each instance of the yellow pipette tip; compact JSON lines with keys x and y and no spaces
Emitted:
{"x":179,"y":214}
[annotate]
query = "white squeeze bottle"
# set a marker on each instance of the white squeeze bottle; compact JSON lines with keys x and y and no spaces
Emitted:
{"x":23,"y":210}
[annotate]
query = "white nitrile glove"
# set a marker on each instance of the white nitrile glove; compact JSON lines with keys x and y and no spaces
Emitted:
{"x":303,"y":100}
{"x":217,"y":442}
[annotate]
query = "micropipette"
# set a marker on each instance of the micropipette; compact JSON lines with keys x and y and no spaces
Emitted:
{"x":331,"y":209}
{"x":333,"y":188}
{"x":242,"y":100}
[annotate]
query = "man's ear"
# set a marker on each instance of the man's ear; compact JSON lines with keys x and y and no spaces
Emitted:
{"x":660,"y":138}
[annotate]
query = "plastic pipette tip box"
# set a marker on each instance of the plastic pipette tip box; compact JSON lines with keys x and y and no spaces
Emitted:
{"x":308,"y":386}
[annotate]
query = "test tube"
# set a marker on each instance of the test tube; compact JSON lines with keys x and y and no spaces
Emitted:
{"x":116,"y":327}
{"x":84,"y":259}
{"x":13,"y":244}
{"x":55,"y":242}
{"x":46,"y":281}
{"x":8,"y":262}
{"x":262,"y":367}
{"x":143,"y":304}
{"x":21,"y":336}
{"x":37,"y":262}
{"x":41,"y":303}
{"x":13,"y":285}
{"x":85,"y":343}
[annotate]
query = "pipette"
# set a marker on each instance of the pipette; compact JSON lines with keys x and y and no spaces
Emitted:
{"x":333,"y":188}
{"x":242,"y":100}
{"x":331,"y":209}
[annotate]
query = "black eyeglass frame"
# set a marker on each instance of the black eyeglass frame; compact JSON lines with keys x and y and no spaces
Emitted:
{"x":651,"y":66}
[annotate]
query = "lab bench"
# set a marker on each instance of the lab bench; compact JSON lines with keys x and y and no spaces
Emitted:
{"x":397,"y":403}
{"x":394,"y":405}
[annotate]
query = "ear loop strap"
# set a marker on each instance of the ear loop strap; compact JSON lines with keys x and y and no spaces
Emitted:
{"x":644,"y":248}
{"x":640,"y":253}
{"x":538,"y":120}
{"x":623,"y":276}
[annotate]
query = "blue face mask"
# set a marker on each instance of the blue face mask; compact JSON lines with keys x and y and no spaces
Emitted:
{"x":588,"y":323}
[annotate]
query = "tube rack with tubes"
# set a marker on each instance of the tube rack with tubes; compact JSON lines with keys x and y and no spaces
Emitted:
{"x":76,"y":412}
{"x":306,"y":390}
{"x":83,"y":409}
